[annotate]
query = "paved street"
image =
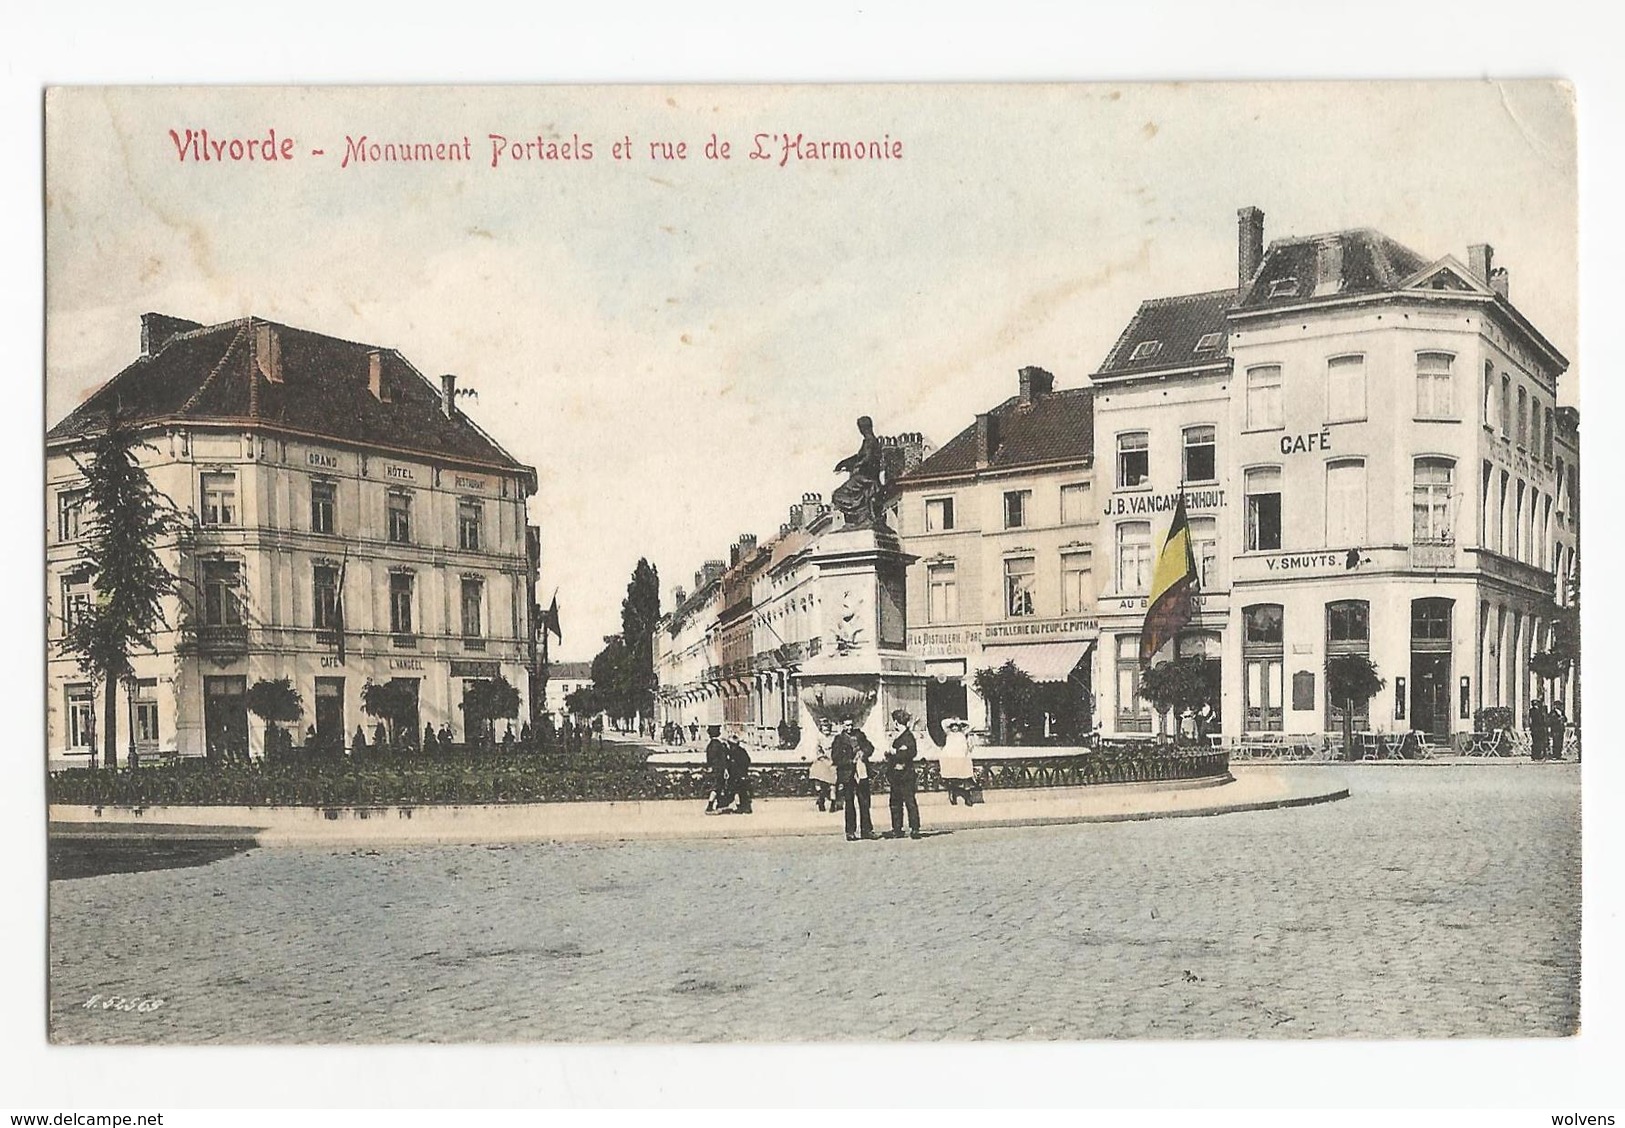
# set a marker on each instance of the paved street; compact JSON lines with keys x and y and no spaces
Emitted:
{"x":1437,"y":901}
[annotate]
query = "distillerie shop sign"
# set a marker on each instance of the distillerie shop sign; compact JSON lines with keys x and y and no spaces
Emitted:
{"x":1145,"y":504}
{"x":943,"y":642}
{"x":1049,"y":630}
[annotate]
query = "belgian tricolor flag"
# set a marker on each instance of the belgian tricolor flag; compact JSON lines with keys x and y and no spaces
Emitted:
{"x":1171,"y":586}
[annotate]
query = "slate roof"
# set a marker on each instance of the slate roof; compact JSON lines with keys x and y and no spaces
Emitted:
{"x":1054,"y":427}
{"x":1177,"y":325}
{"x":571,"y":671}
{"x":1324,"y":267}
{"x":213,"y":374}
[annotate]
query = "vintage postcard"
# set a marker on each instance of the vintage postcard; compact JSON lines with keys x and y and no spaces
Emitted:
{"x":812,"y":564}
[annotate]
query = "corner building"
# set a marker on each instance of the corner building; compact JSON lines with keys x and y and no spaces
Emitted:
{"x":1390,"y":479}
{"x":344,"y":523}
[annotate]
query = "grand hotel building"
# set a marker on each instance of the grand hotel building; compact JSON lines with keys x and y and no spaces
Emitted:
{"x":344,"y":522}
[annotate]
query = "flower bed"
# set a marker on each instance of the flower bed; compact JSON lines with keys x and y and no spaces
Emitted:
{"x":610,"y":775}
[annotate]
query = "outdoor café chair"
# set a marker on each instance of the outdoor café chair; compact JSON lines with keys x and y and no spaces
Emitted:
{"x":1423,"y":744}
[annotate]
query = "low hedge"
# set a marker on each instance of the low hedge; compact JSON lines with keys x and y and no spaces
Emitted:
{"x":521,"y":779}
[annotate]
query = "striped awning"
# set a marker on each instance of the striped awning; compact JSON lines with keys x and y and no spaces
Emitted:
{"x":1043,"y":661}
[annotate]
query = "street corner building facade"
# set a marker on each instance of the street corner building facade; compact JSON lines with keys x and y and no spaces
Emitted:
{"x":1373,"y":462}
{"x":343,"y":523}
{"x":1003,"y":521}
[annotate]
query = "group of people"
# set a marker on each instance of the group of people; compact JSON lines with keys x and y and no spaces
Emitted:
{"x":841,"y":768}
{"x":1546,"y":729}
{"x":729,"y":766}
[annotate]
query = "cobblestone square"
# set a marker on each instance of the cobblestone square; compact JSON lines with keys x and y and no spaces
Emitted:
{"x":1435,"y":902}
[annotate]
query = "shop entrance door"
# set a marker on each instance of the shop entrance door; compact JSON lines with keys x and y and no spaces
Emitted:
{"x":225,"y":717}
{"x":330,"y":712}
{"x":1430,"y":694}
{"x":410,"y":730}
{"x":944,"y":697}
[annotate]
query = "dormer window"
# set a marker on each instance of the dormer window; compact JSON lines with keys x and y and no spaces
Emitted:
{"x":1145,"y":350}
{"x":1284,"y":288}
{"x":1209,"y":342}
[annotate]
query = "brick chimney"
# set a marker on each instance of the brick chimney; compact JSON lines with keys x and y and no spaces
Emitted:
{"x":375,"y":375}
{"x":747,"y":543}
{"x":1480,"y":261}
{"x":158,"y":328}
{"x":711,"y":570}
{"x":1501,"y":282}
{"x":1249,"y":243}
{"x":448,"y":395}
{"x":797,"y":517}
{"x":1035,"y":382}
{"x":268,"y":351}
{"x":678,"y":596}
{"x":987,"y":439}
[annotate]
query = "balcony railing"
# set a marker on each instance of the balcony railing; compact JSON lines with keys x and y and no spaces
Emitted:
{"x":406,"y":641}
{"x":1433,"y":552}
{"x":222,"y":638}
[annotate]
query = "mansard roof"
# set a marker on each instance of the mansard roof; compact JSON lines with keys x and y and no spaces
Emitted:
{"x":1181,"y":332}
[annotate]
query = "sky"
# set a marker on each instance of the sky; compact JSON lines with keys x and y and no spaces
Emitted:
{"x":680,"y":347}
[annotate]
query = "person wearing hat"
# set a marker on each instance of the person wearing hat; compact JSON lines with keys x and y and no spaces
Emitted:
{"x":738,"y":774}
{"x":822,"y":770}
{"x":958,"y":771}
{"x":850,"y":752}
{"x":900,"y":776}
{"x":716,"y":763}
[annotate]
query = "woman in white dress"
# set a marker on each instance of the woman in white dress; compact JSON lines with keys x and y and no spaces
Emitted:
{"x":822,"y":770}
{"x":954,"y":762}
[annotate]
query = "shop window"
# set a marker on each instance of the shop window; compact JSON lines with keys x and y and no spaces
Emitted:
{"x":146,"y":713}
{"x":400,"y":517}
{"x":1264,"y":398}
{"x":1264,"y":624}
{"x":939,"y":514}
{"x":1077,"y":592}
{"x":323,"y":504}
{"x":1263,"y":508}
{"x":1433,"y":485}
{"x":1133,"y":460}
{"x":1348,"y":626}
{"x":1345,"y":389}
{"x":1435,"y":390}
{"x":1201,"y":454}
{"x":220,"y":499}
{"x":70,"y":514}
{"x":81,"y":710}
{"x":942,"y":593}
{"x":470,"y":516}
{"x":1133,"y":556}
{"x":1016,"y":503}
{"x":1075,"y":503}
{"x":1345,"y":503}
{"x":1019,"y":575}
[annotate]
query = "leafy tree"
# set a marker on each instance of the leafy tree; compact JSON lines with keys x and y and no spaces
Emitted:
{"x":1180,"y":685}
{"x":274,"y":702}
{"x":1012,"y":695}
{"x":484,"y":701}
{"x":126,"y":517}
{"x":1351,"y":681}
{"x":392,"y":702}
{"x":583,"y":701}
{"x":640,"y":614}
{"x":1564,"y":654}
{"x":612,"y":679}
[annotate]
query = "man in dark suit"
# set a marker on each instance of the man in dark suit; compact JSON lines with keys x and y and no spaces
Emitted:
{"x":850,"y":753}
{"x":1537,"y":730}
{"x":900,"y":776}
{"x":716,"y":763}
{"x":738,"y":775}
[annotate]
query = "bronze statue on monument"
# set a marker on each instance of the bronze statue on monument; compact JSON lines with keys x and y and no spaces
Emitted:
{"x":860,"y":498}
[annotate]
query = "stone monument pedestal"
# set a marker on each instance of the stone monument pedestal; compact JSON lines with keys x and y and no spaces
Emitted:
{"x":862,"y":669}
